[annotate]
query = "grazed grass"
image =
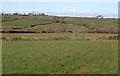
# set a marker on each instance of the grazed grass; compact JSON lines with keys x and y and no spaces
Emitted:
{"x":24,"y":22}
{"x":60,"y":57}
{"x":78,"y":20}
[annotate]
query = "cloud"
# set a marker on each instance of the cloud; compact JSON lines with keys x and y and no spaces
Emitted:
{"x":71,"y":12}
{"x":74,"y":10}
{"x":84,"y":12}
{"x":26,"y":11}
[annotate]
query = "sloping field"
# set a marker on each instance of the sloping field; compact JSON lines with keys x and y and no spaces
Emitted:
{"x":60,"y":57}
{"x":52,"y":24}
{"x":24,"y":22}
{"x":81,"y":20}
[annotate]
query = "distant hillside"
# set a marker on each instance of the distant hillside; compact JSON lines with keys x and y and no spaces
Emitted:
{"x":53,"y":24}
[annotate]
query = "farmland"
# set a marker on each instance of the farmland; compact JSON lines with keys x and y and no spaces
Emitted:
{"x":45,"y":24}
{"x":59,"y":45}
{"x":24,"y":22}
{"x":60,"y":57}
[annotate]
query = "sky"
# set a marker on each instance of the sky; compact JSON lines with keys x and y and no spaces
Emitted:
{"x":59,"y":0}
{"x":91,"y":9}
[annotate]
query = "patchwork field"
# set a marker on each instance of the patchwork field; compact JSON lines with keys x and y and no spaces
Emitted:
{"x":53,"y":24}
{"x":60,"y":57}
{"x":59,"y":45}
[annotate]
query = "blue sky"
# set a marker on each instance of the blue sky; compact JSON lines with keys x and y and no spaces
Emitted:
{"x":107,"y":9}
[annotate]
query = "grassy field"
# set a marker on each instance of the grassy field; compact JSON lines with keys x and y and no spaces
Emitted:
{"x":60,"y":57}
{"x":52,"y":24}
{"x":46,"y":19}
{"x":78,"y":20}
{"x":24,"y":22}
{"x":60,"y":45}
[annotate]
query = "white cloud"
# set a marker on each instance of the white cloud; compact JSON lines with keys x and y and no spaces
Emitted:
{"x":74,"y":11}
{"x":26,"y":10}
{"x":71,"y":12}
{"x":83,"y":12}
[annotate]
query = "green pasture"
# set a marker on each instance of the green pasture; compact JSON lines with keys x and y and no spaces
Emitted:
{"x":82,"y":20}
{"x":60,"y":57}
{"x":28,"y":20}
{"x":24,"y":22}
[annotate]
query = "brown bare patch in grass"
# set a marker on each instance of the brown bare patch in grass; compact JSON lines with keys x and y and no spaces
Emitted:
{"x":62,"y":69}
{"x":51,"y":74}
{"x":80,"y":70}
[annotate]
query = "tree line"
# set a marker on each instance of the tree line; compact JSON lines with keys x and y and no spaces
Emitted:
{"x":23,"y":14}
